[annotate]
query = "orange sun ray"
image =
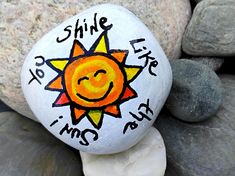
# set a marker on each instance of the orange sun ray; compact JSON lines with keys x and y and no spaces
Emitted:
{"x":113,"y":110}
{"x":78,"y":113}
{"x":55,"y":84}
{"x":128,"y":94}
{"x":62,"y":100}
{"x":120,"y":55}
{"x":77,"y":49}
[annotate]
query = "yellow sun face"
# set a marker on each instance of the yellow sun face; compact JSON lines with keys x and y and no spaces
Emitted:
{"x":93,"y":82}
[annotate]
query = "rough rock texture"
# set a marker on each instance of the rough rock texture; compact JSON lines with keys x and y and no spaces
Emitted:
{"x":27,"y":149}
{"x":211,"y":29}
{"x":196,"y":92}
{"x":19,"y":31}
{"x":147,"y":158}
{"x":213,"y":62}
{"x":206,"y":148}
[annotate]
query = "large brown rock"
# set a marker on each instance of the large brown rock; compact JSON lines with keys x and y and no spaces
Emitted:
{"x":211,"y":29}
{"x":19,"y":31}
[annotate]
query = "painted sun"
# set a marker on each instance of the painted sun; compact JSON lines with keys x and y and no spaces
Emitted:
{"x":93,"y":82}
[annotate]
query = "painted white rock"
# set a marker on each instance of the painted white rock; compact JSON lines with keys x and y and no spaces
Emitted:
{"x":98,"y":80}
{"x":147,"y":158}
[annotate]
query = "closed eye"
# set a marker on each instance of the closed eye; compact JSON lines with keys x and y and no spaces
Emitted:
{"x":83,"y":78}
{"x":99,"y":71}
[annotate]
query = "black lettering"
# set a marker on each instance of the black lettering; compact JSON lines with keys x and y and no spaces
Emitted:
{"x":78,"y":29}
{"x":40,"y":73}
{"x":102,"y":22}
{"x":94,"y":27}
{"x":133,"y":42}
{"x":83,"y":136}
{"x":133,"y":125}
{"x":85,"y":24}
{"x":152,"y":65}
{"x":54,"y":122}
{"x":147,"y":57}
{"x":33,"y":78}
{"x":67,"y":129}
{"x":75,"y":131}
{"x":143,"y":116}
{"x":38,"y":64}
{"x":58,"y":40}
{"x":146,"y":106}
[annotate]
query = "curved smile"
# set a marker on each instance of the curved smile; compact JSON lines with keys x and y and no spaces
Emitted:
{"x":97,"y":99}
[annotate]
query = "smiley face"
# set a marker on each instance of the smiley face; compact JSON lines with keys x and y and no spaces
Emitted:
{"x":94,"y":81}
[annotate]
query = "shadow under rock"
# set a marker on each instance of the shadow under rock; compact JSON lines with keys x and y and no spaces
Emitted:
{"x":4,"y":107}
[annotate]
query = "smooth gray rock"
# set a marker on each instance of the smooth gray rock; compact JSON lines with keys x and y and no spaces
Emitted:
{"x":27,"y":149}
{"x":213,"y":62}
{"x":196,"y":92}
{"x":206,"y":148}
{"x":211,"y":31}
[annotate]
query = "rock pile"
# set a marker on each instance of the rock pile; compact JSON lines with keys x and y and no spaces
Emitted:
{"x":205,"y":148}
{"x":197,"y":123}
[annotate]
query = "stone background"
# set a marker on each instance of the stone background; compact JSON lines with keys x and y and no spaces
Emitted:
{"x":196,"y":134}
